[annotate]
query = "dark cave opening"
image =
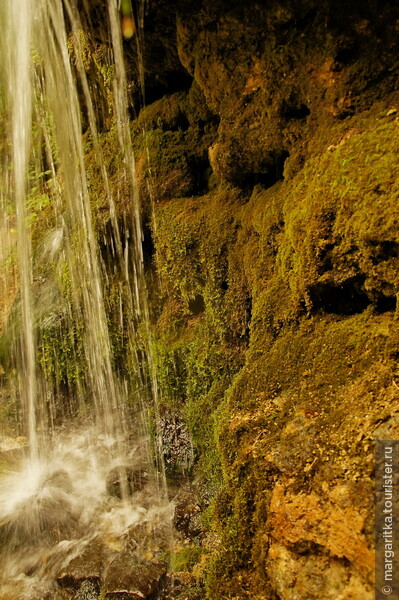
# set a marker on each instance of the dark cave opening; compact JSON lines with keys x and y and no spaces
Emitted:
{"x":201,"y":172}
{"x":148,"y":245}
{"x":197,"y":305}
{"x":348,"y":298}
{"x":385,"y":304}
{"x":224,"y":286}
{"x":174,"y":81}
{"x":295,"y":112}
{"x":269,"y":177}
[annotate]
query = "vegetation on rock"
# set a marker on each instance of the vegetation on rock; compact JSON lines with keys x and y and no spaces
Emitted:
{"x":268,"y":179}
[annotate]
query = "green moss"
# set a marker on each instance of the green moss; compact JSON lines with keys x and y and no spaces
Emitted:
{"x":185,"y":559}
{"x":253,"y":351}
{"x":198,"y":351}
{"x":108,"y":180}
{"x":61,"y":354}
{"x":343,"y":200}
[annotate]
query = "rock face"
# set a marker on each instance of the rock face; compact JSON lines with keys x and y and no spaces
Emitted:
{"x":129,"y":579}
{"x":136,"y":480}
{"x":266,"y":159}
{"x":272,"y":175}
{"x":8,"y":272}
{"x":112,"y":571}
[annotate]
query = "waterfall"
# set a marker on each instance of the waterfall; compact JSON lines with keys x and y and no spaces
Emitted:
{"x":87,"y":466}
{"x":19,"y":83}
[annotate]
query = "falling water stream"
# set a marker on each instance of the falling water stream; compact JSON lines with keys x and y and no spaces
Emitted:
{"x":83,"y":475}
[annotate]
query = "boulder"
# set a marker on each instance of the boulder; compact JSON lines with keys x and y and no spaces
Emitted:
{"x":136,"y":480}
{"x":127,"y":578}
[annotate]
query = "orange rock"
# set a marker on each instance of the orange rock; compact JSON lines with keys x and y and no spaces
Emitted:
{"x":307,"y":517}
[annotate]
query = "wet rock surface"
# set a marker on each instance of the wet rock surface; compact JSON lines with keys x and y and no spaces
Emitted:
{"x":187,"y":513}
{"x":127,"y":566}
{"x":177,"y":448}
{"x":117,"y":574}
{"x":127,"y":578}
{"x":268,"y":152}
{"x":133,"y":479}
{"x":88,"y":565}
{"x":89,"y":590}
{"x":285,"y":370}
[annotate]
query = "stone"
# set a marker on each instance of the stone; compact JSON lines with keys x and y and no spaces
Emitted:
{"x":87,"y":566}
{"x":322,"y":521}
{"x":136,"y":480}
{"x":127,"y":578}
{"x":89,"y":590}
{"x":313,"y":577}
{"x":187,"y":513}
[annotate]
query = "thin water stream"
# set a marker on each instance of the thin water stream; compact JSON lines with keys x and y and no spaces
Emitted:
{"x":81,"y":471}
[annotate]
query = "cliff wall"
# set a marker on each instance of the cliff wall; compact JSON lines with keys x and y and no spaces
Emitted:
{"x":270,"y":166}
{"x":266,"y":160}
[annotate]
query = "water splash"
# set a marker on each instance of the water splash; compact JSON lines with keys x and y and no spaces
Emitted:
{"x":52,"y":510}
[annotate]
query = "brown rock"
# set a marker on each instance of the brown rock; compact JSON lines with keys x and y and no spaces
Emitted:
{"x":129,"y":579}
{"x":313,"y":577}
{"x":298,"y":517}
{"x":87,"y":566}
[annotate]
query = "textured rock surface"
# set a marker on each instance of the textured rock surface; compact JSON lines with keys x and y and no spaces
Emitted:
{"x":128,"y":579}
{"x":116,"y":568}
{"x":273,"y":179}
{"x":266,"y":159}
